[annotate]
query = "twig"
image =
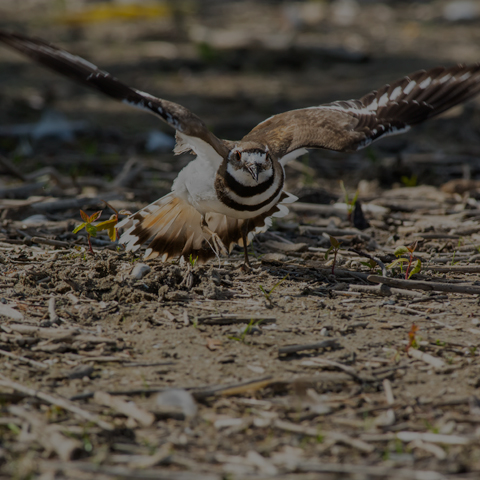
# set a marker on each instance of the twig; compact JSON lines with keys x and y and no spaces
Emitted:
{"x":129,"y":409}
{"x":127,"y":473}
{"x":83,"y":202}
{"x":335,"y":232}
{"x":386,"y":291}
{"x":54,"y":318}
{"x":232,"y":319}
{"x":370,"y":471}
{"x":11,"y":168}
{"x":49,"y":436}
{"x":55,"y":400}
{"x":454,"y":269}
{"x":435,"y":362}
{"x":48,"y":241}
{"x":433,"y":438}
{"x":336,"y":437}
{"x":311,"y":346}
{"x":33,"y":363}
{"x":422,"y":285}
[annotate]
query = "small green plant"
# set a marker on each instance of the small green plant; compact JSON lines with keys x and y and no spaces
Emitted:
{"x":371,"y":264}
{"x":246,"y":331}
{"x":334,"y":247}
{"x":110,"y":225}
{"x":192,"y":260}
{"x":417,"y":266}
{"x":14,"y":428}
{"x":412,"y":339}
{"x":453,"y":258}
{"x":409,"y":181}
{"x":350,"y":203}
{"x":269,"y":293}
{"x":88,"y":226}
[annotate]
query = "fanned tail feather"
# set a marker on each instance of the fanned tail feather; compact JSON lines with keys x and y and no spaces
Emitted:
{"x":175,"y":229}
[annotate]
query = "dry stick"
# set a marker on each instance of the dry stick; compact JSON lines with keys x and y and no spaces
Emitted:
{"x":129,"y":409}
{"x":454,"y":269}
{"x":232,"y":319}
{"x":55,"y":400}
{"x":127,"y":473}
{"x":197,"y":392}
{"x":49,"y":436}
{"x":11,"y":168}
{"x":334,"y":436}
{"x":311,"y":346}
{"x":435,"y":362}
{"x":33,"y":363}
{"x":370,"y":471}
{"x":48,"y":241}
{"x":428,"y":286}
{"x":54,"y":318}
{"x":335,"y":232}
{"x":385,"y":291}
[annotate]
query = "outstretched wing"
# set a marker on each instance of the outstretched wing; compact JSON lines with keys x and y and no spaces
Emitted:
{"x":180,"y":118}
{"x":354,"y":124}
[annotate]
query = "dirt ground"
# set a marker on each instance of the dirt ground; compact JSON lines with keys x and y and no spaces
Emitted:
{"x":112,"y":367}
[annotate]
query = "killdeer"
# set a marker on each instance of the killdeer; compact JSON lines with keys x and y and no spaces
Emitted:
{"x":231,"y":190}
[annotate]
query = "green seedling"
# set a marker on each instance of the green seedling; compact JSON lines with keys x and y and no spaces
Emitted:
{"x":334,"y":247}
{"x":88,"y":226}
{"x":409,"y":181}
{"x":192,"y":260}
{"x":371,"y":264}
{"x":412,"y":340}
{"x":269,"y":293}
{"x":92,"y":229}
{"x":417,"y":266}
{"x":453,"y":258}
{"x":14,"y":428}
{"x":246,"y":331}
{"x":350,"y":203}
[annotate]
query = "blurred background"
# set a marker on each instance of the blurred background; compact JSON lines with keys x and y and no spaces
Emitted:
{"x":233,"y":63}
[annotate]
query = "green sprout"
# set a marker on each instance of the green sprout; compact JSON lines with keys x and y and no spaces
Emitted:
{"x":409,"y":181}
{"x":248,"y":329}
{"x":334,"y":247}
{"x":110,"y":225}
{"x":350,"y":203}
{"x":192,"y":260}
{"x":417,"y":266}
{"x":269,"y":293}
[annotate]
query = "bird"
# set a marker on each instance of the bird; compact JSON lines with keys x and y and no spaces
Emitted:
{"x":232,"y":189}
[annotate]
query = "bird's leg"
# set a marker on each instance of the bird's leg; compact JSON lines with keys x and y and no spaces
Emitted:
{"x":245,"y":243}
{"x":218,"y":245}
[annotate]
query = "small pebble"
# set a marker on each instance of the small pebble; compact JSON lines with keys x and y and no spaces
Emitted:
{"x":177,"y":397}
{"x":140,"y":270}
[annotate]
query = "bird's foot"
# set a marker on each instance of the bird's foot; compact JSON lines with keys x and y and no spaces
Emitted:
{"x":218,"y":245}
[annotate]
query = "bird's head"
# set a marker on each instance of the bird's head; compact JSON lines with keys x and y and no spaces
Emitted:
{"x":250,"y":165}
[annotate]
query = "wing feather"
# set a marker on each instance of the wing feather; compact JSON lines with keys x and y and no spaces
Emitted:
{"x":354,"y":124}
{"x":80,"y":70}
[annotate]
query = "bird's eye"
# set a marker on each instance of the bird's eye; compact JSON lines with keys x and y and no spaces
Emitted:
{"x":238,"y":156}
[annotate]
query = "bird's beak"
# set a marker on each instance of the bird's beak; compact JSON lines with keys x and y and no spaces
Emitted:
{"x":253,"y":170}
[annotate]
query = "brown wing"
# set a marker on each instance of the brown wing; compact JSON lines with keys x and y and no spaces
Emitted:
{"x":85,"y":72}
{"x":354,"y":124}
